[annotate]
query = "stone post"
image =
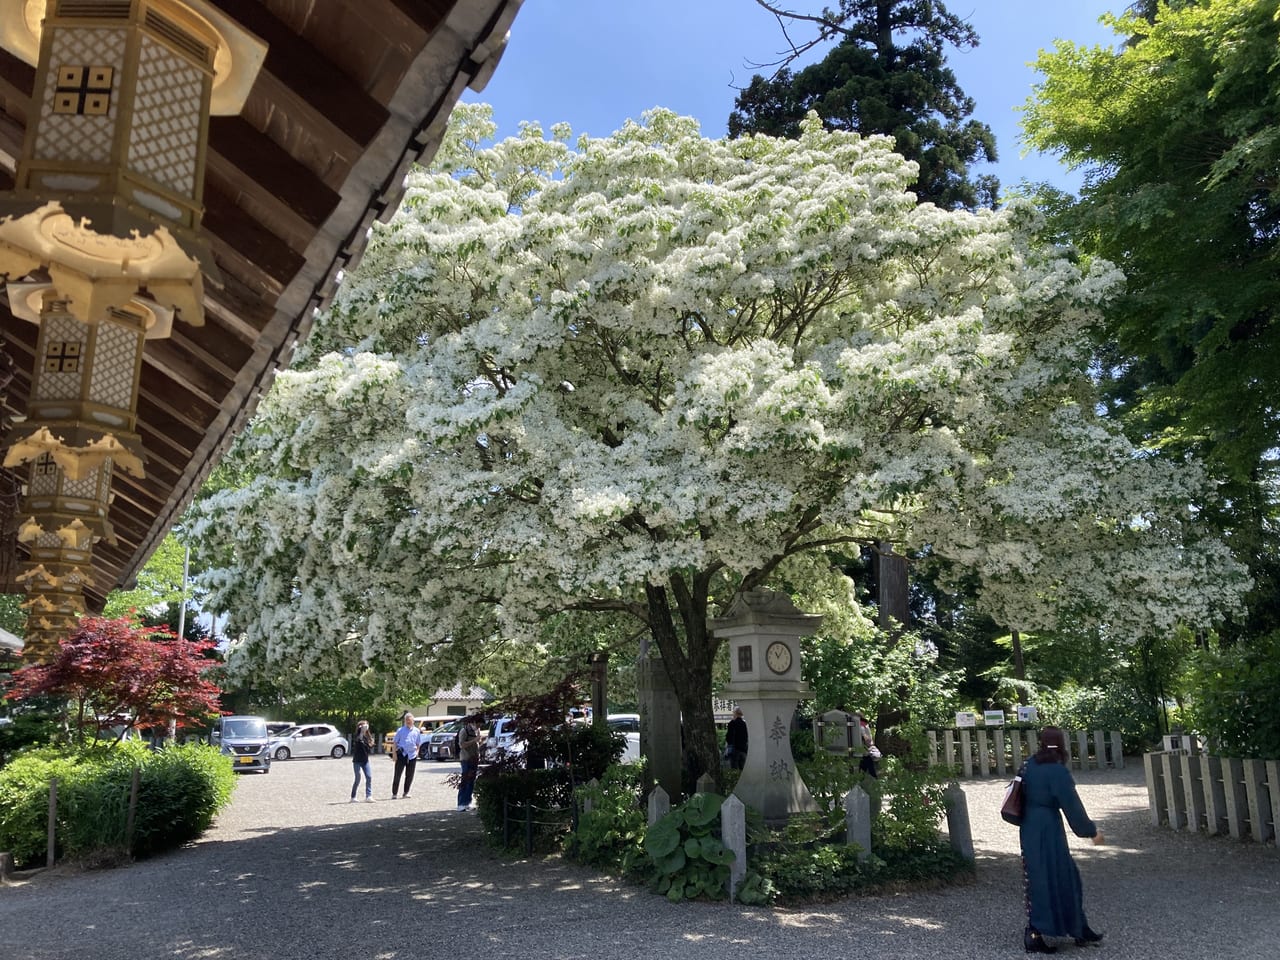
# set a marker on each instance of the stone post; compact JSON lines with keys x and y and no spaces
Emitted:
{"x":659,"y":805}
{"x":733,"y":834}
{"x":1175,"y":798}
{"x":1215,"y":798}
{"x":958,"y":828}
{"x":1156,"y":802}
{"x":1233,"y":791}
{"x":1257,"y":799}
{"x":659,"y":724}
{"x":857,"y":821}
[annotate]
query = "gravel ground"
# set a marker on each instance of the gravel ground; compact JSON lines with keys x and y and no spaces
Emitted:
{"x":292,"y":870}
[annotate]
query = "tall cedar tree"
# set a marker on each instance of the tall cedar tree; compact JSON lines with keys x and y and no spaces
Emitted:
{"x":1176,"y":130}
{"x":888,"y":75}
{"x":115,"y":673}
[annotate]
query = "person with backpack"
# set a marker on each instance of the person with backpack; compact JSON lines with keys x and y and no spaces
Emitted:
{"x":468,"y":744}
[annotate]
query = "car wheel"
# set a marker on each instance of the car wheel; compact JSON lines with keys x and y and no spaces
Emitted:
{"x":282,"y":753}
{"x":338,"y":751}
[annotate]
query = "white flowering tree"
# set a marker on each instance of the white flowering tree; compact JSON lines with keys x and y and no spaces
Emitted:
{"x":639,"y":374}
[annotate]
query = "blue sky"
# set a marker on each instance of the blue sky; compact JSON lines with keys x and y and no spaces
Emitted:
{"x":597,"y":63}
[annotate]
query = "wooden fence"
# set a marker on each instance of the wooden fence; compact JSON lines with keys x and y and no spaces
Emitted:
{"x":999,"y":751}
{"x":1219,"y":795}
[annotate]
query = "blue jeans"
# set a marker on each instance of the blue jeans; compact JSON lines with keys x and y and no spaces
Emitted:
{"x":468,"y":784}
{"x":368,"y":778}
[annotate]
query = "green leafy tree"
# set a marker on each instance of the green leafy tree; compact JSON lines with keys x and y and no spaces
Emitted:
{"x":1178,"y":132}
{"x":887,"y":74}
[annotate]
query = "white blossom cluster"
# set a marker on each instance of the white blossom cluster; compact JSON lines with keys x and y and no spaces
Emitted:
{"x":563,"y":373}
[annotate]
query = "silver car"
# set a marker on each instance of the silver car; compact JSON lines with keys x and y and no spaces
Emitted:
{"x":309,"y":740}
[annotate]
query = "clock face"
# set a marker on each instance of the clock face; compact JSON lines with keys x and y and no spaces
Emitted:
{"x":778,"y":656}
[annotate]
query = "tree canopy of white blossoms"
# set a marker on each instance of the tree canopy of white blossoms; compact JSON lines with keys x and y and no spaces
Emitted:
{"x":639,"y":374}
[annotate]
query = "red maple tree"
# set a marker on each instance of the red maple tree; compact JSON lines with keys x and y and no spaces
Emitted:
{"x":119,"y":674}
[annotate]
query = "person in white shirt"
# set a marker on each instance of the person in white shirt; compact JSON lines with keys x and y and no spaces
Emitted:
{"x":407,"y":741}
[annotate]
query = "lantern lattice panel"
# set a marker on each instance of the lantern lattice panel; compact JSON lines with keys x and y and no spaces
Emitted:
{"x":116,"y":349}
{"x":61,"y":373}
{"x":166,"y":118}
{"x":75,"y":137}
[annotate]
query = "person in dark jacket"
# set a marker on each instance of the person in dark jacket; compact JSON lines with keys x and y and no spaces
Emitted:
{"x":1055,"y":898}
{"x":362,"y":747}
{"x":735,"y":738}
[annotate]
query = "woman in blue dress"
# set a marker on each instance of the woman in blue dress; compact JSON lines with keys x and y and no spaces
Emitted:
{"x":1055,"y":905}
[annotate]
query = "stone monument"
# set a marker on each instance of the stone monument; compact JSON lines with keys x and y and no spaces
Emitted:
{"x":763,"y":630}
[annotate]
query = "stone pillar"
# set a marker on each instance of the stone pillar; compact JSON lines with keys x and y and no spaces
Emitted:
{"x":1193,"y":788}
{"x":1156,"y":801}
{"x":733,"y":834}
{"x":659,"y":724}
{"x":857,"y":821}
{"x":1215,"y":799}
{"x":659,"y":805}
{"x":958,"y":828}
{"x":762,"y":630}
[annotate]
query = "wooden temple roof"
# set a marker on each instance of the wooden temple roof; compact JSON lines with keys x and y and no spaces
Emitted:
{"x":352,"y":92}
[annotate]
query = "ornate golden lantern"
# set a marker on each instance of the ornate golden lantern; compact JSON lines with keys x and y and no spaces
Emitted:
{"x":100,"y":244}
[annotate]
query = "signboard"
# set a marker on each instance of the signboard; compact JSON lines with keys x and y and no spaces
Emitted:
{"x":966,"y":719}
{"x":1027,"y":715}
{"x":993,"y":718}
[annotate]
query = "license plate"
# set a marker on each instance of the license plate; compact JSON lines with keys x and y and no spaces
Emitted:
{"x":244,"y":760}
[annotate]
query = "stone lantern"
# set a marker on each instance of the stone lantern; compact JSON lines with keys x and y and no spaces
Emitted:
{"x":762,"y":630}
{"x":101,"y":247}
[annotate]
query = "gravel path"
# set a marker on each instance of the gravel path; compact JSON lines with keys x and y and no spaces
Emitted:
{"x":292,"y":870}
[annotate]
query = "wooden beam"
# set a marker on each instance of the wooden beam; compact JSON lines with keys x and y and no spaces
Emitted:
{"x":428,"y":14}
{"x":311,"y":77}
{"x":235,"y":144}
{"x":177,"y":363}
{"x":255,"y":251}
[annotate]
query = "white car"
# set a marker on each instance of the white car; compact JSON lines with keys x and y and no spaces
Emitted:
{"x":501,"y":739}
{"x":628,"y":724}
{"x":309,"y":740}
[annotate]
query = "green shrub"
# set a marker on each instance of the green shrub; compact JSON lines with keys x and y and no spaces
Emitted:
{"x":24,"y":802}
{"x":1118,"y":707}
{"x":1234,"y":700}
{"x":611,"y":833}
{"x":180,"y":790}
{"x":824,"y":871}
{"x":547,"y":794}
{"x":689,"y":858}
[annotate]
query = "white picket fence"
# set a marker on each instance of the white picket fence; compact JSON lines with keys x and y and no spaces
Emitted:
{"x":999,"y":751}
{"x":1240,"y":798}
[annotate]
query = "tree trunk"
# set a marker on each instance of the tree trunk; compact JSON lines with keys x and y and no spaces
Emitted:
{"x":1019,"y":668}
{"x":894,"y":617}
{"x":690,"y":668}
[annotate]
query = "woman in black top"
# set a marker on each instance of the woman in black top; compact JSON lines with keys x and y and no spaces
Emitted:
{"x":361,"y":749}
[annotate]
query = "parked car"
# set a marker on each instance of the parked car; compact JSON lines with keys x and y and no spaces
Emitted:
{"x":501,"y":739}
{"x":276,"y":727}
{"x":628,"y":724}
{"x":245,"y":741}
{"x":439,"y":744}
{"x":311,"y":740}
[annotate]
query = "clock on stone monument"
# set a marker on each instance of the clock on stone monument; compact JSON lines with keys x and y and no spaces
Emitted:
{"x":778,"y":656}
